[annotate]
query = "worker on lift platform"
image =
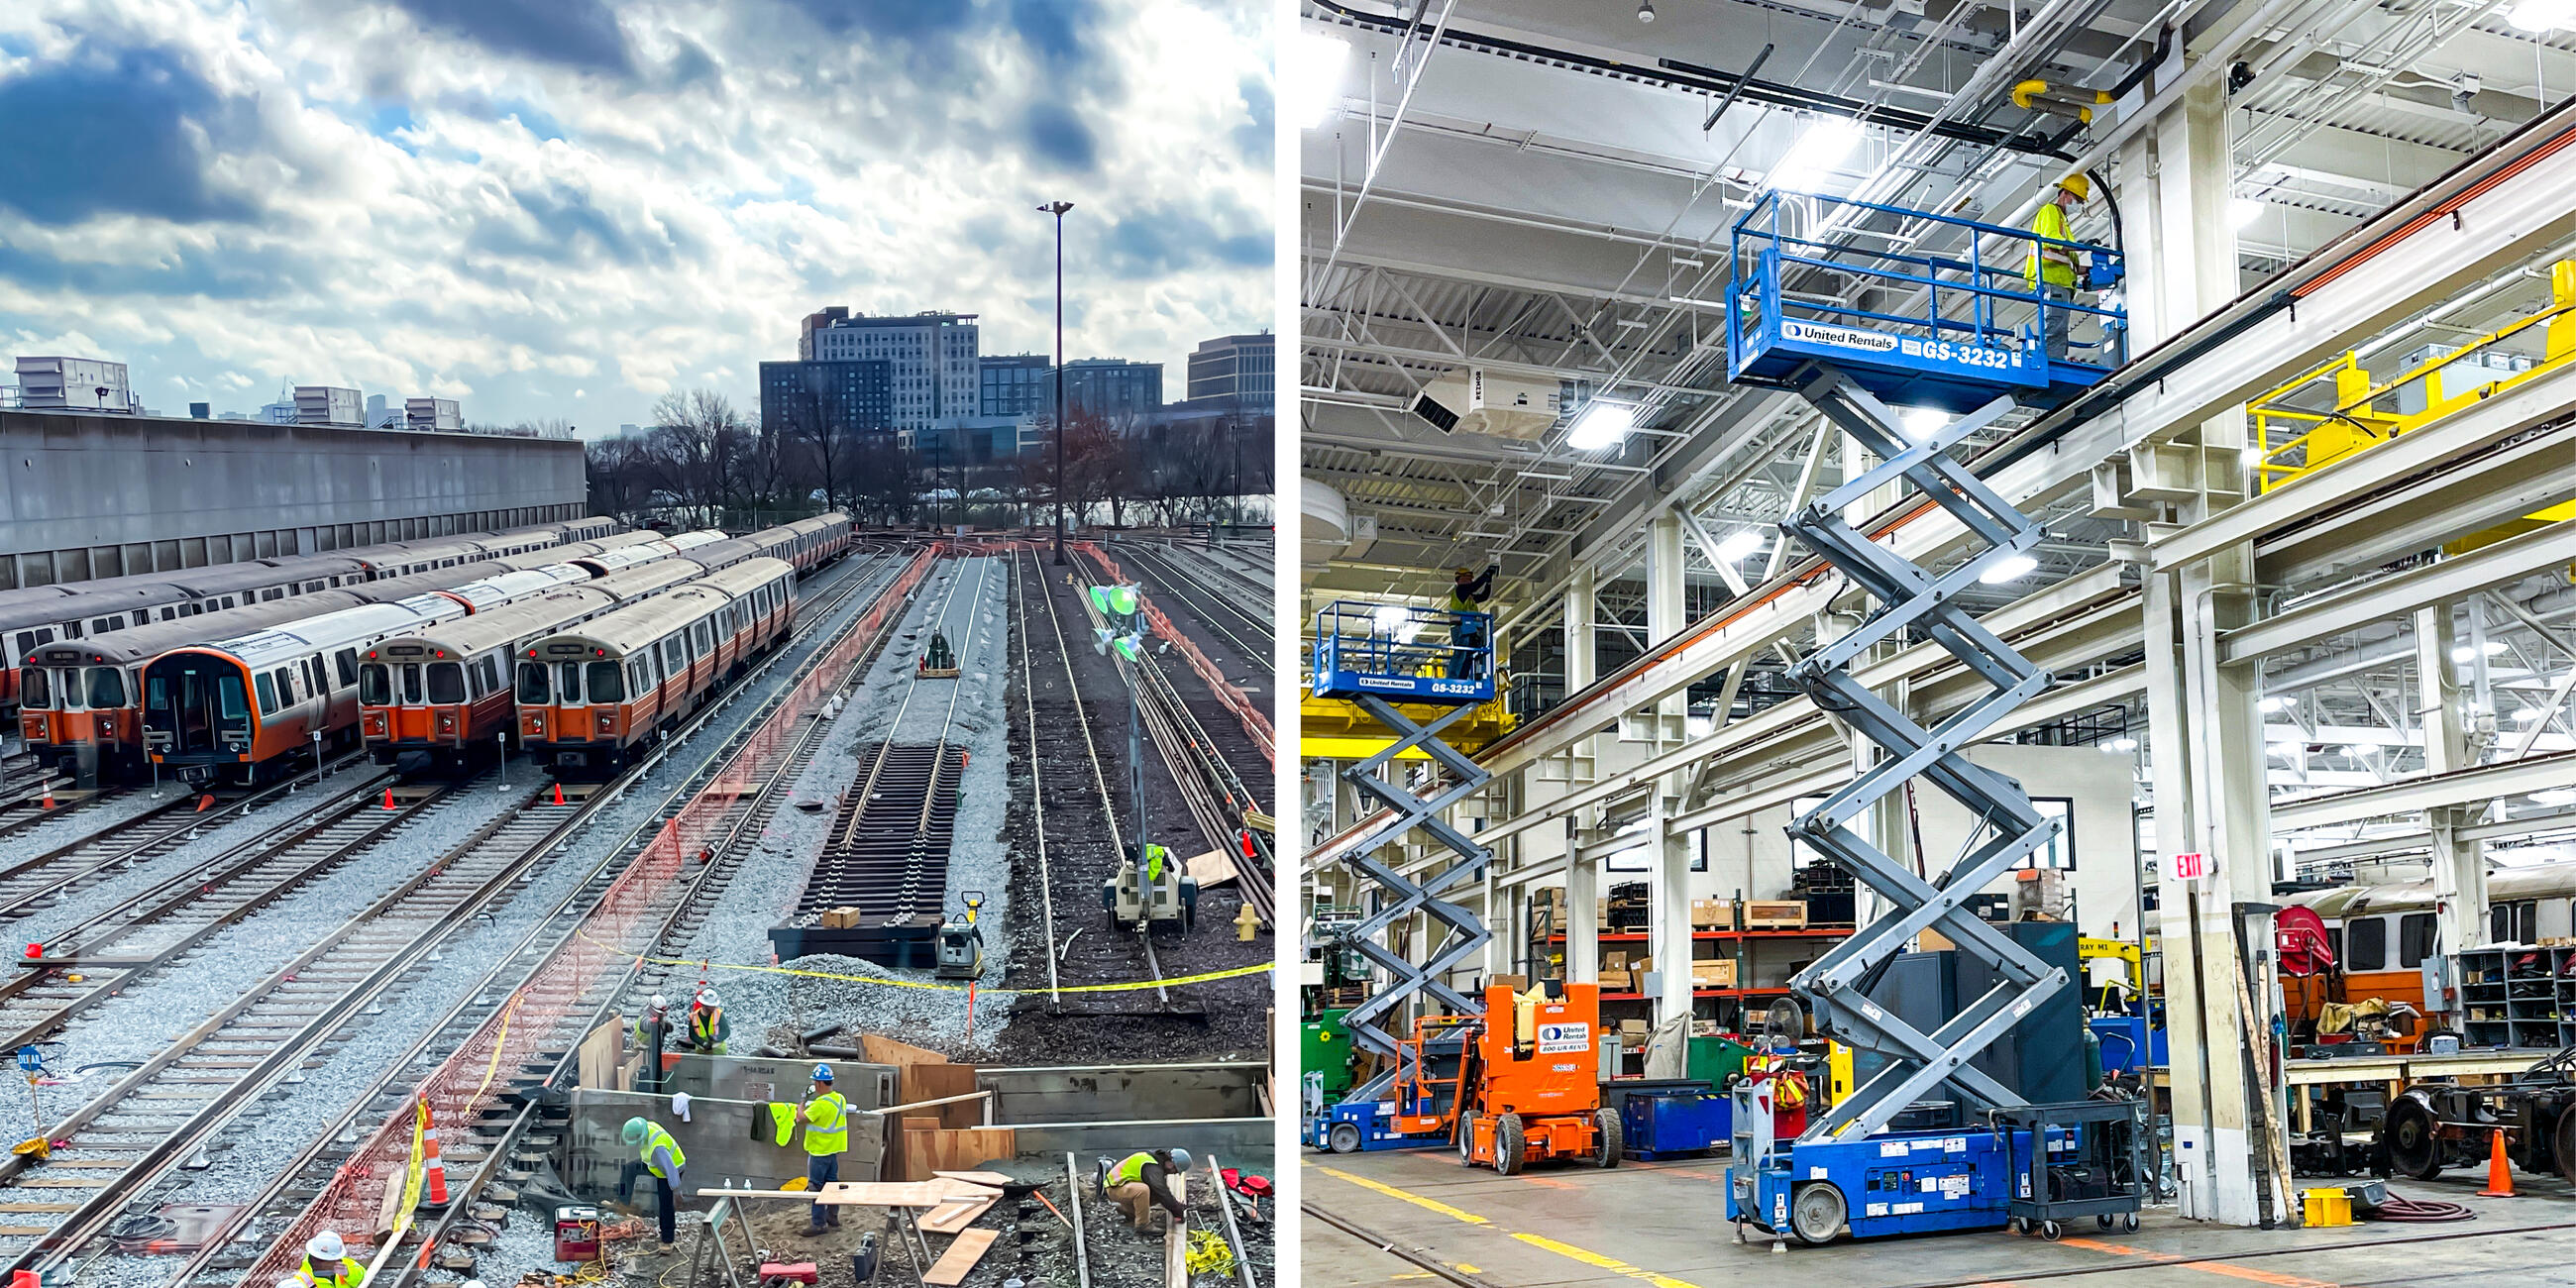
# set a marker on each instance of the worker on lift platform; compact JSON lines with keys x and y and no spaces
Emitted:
{"x":2052,"y":269}
{"x":1466,"y":599}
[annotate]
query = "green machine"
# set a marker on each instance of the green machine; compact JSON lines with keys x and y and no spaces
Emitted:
{"x":1327,"y":1050}
{"x":1714,"y":1060}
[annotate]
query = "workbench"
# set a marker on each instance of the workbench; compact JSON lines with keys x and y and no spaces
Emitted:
{"x":905,"y":1199}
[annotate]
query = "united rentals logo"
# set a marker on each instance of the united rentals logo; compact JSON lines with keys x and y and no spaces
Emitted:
{"x":1843,"y":337}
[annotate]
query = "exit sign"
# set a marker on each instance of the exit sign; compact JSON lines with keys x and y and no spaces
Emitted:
{"x":2193,"y":867}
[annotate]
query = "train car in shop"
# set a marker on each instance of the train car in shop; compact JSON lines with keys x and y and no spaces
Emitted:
{"x":593,"y":698}
{"x":2380,"y":935}
{"x":446,"y":691}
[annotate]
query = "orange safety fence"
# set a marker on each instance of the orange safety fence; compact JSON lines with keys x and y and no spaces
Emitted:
{"x":1235,"y":700}
{"x":574,"y":980}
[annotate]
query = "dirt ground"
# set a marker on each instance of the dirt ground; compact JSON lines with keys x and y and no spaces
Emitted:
{"x":1225,"y":1019}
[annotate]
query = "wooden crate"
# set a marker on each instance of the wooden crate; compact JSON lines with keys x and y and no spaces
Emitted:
{"x":1775,"y":914}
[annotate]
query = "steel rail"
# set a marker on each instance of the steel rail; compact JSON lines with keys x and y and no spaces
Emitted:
{"x":613,"y":859}
{"x":1037,"y":778}
{"x":1198,"y":595}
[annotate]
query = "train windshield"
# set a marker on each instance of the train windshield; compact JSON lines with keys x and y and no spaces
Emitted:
{"x":69,"y":681}
{"x":35,"y":690}
{"x":106,"y":687}
{"x":411,"y":684}
{"x":195,"y":702}
{"x":532,"y":683}
{"x":568,"y":682}
{"x":606,"y":685}
{"x":446,"y":683}
{"x":375,"y":689}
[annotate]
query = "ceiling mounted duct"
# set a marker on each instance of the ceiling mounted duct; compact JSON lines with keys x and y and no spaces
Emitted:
{"x":1478,"y":402}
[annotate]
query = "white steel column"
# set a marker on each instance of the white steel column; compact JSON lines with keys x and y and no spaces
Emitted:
{"x":2209,"y":761}
{"x":1582,"y":919}
{"x":1578,"y":630}
{"x":1671,"y":941}
{"x":2459,"y":862}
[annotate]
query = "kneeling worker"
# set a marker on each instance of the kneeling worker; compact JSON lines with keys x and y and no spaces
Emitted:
{"x":662,"y":1156}
{"x":1141,"y":1182}
{"x":827,"y":1132}
{"x":708,"y":1027}
{"x":327,"y":1265}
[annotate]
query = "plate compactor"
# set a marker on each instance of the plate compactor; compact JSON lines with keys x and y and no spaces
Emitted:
{"x":1530,"y":1089}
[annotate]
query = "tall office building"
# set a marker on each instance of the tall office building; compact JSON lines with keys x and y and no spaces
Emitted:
{"x":1016,"y":384}
{"x":1112,"y":388}
{"x":1244,"y":367}
{"x":855,"y":396}
{"x":930,"y":358}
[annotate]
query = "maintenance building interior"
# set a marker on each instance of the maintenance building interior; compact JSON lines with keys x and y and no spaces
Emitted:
{"x":2020,"y":726}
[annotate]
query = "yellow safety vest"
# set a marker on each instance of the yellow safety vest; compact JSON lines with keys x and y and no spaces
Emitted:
{"x":1154,"y":856}
{"x":655,"y":1137}
{"x":2054,"y":265}
{"x":1130,"y":1168}
{"x":350,"y":1275}
{"x":702,"y":1025}
{"x":1459,"y":602}
{"x":827,"y":1125}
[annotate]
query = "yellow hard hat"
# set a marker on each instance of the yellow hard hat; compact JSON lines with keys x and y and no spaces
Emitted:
{"x":2079,"y":185}
{"x":1465,"y":572}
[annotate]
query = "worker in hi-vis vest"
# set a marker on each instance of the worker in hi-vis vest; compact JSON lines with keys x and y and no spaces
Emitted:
{"x":657,"y":1153}
{"x":2052,"y":269}
{"x":827,"y":1132}
{"x":327,"y":1264}
{"x":1466,"y":598}
{"x":707,"y":1026}
{"x":1141,"y":1182}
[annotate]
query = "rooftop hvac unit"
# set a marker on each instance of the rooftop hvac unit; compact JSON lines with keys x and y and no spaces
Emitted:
{"x":1478,"y":402}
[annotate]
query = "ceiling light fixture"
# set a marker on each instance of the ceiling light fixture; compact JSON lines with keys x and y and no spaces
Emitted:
{"x":2541,"y":15}
{"x":1740,"y":545}
{"x":2278,"y":702}
{"x":1921,"y":423}
{"x":1816,"y":151}
{"x":2243,"y":211}
{"x":2121,"y":744}
{"x":2007,"y":569}
{"x":2529,"y":715}
{"x":1312,"y":78}
{"x":1645,"y":10}
{"x":1602,"y":424}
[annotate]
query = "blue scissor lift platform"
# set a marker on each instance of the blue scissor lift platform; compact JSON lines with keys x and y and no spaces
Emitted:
{"x":1953,"y":328}
{"x":1399,"y":653}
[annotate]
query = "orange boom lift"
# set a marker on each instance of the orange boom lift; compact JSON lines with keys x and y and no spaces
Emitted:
{"x":1530,"y":1087}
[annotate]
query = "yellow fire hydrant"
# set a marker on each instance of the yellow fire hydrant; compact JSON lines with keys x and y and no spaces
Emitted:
{"x":1245,"y":922}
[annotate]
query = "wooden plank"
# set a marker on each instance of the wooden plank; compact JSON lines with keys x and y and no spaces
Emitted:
{"x":912,"y":1194}
{"x":979,"y":1178}
{"x":953,"y":1217}
{"x":926,"y":1152}
{"x":56,"y":1182}
{"x":953,"y":1265}
{"x":1176,"y":1236}
{"x":37,"y":1207}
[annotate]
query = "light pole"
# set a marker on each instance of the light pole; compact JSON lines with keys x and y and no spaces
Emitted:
{"x":1057,"y":209}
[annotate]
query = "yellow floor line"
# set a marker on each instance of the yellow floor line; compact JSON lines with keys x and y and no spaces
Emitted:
{"x":1566,"y":1250}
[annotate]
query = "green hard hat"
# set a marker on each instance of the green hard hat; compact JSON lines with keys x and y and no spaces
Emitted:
{"x":635,"y":1131}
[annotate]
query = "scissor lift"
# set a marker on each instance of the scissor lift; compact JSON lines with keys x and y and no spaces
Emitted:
{"x":1377,"y":655}
{"x":1945,"y":330}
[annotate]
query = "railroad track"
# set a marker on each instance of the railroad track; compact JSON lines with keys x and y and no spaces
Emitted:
{"x":1211,"y":790}
{"x":122,"y":1144}
{"x":891,"y":851}
{"x":1237,"y":613}
{"x":479,"y":1147}
{"x":39,"y":881}
{"x":1109,"y":956}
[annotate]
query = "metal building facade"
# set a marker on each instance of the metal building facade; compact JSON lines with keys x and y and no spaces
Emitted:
{"x":97,"y":496}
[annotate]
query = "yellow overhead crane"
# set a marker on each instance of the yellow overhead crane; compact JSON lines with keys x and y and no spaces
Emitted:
{"x":2293,"y":441}
{"x":1338,"y":729}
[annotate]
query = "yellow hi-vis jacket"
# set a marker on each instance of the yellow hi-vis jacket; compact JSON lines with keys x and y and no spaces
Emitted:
{"x":1130,"y":1168}
{"x":2054,"y":265}
{"x":349,"y":1275}
{"x":827,"y":1124}
{"x":657,"y":1138}
{"x":1154,"y":856}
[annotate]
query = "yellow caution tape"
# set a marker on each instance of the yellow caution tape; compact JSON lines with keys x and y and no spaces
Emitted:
{"x":928,"y":986}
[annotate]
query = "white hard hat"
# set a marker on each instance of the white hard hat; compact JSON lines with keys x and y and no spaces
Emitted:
{"x":291,"y":1281}
{"x":660,"y":1002}
{"x":326,"y":1246}
{"x":708,"y":996}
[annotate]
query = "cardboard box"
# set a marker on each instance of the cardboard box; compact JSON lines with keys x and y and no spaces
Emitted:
{"x":841,"y":918}
{"x":1775,"y":914}
{"x":1516,"y":983}
{"x":1632,"y":1028}
{"x":1713,"y":974}
{"x":1932,"y":941}
{"x":1618,"y":979}
{"x":1712,"y":914}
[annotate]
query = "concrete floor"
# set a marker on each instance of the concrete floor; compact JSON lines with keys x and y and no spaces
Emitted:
{"x":1664,"y":1224}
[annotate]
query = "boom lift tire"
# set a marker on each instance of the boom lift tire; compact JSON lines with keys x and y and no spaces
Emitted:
{"x":1608,"y":1147}
{"x":1344,"y":1138}
{"x":1510,"y":1145}
{"x":1467,"y":1139}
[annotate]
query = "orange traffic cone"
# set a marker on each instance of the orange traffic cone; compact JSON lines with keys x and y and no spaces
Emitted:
{"x":205,"y":802}
{"x":559,"y":793}
{"x":2499,"y":1172}
{"x":389,"y":799}
{"x":433,"y":1169}
{"x":48,"y":802}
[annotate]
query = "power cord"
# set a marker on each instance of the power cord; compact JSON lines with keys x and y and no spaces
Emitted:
{"x":2397,"y":1207}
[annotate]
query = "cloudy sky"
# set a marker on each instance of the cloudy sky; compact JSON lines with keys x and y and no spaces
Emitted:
{"x":565,"y":208}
